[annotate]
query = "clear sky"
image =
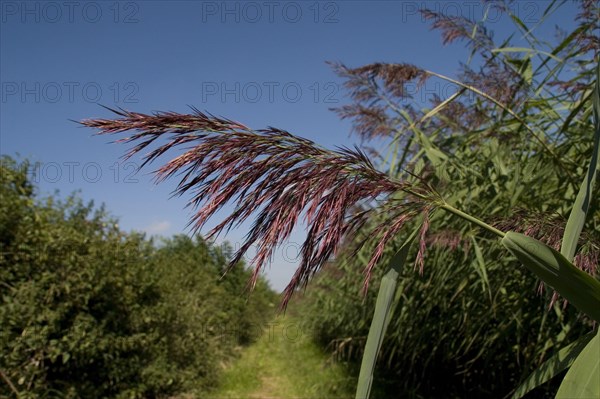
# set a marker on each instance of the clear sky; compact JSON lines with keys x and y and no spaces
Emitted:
{"x":261,"y":63}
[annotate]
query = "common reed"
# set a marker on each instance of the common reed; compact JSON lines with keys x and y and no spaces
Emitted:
{"x":281,"y":179}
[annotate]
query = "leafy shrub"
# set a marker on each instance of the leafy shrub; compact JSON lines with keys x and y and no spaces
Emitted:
{"x":90,"y":311}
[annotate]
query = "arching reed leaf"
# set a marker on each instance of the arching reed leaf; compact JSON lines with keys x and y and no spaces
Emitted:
{"x":381,"y":319}
{"x":583,"y":378}
{"x":584,"y":197}
{"x":559,"y":362}
{"x":575,"y":285}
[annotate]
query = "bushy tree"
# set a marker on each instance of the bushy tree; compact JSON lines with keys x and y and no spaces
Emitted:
{"x":90,"y":311}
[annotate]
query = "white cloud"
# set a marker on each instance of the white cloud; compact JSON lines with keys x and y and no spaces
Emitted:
{"x":158,"y":227}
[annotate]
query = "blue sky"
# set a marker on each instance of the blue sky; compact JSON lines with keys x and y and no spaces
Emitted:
{"x":261,"y":63}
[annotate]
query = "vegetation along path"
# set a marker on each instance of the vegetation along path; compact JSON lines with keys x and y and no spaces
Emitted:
{"x":284,"y":363}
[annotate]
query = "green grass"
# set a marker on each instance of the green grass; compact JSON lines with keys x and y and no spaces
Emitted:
{"x":284,"y":363}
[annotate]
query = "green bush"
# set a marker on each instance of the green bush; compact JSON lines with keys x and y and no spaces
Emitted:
{"x":87,"y":310}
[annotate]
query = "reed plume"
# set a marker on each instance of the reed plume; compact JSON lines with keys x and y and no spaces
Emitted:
{"x":278,"y":177}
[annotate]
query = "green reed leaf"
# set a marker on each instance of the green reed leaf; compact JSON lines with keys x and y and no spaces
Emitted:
{"x":559,"y":362}
{"x":381,"y":319}
{"x":575,"y":285}
{"x":583,"y":378}
{"x":584,"y":197}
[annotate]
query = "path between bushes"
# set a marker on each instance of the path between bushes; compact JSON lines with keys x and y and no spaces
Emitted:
{"x":284,"y":363}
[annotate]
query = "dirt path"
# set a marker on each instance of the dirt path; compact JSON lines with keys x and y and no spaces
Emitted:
{"x":284,"y":364}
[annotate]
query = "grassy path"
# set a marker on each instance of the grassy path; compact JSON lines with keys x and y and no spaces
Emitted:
{"x":284,"y":364}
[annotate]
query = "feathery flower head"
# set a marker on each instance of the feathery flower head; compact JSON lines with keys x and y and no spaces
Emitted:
{"x":278,"y":177}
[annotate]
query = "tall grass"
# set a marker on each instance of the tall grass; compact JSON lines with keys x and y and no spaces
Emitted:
{"x":518,"y":148}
